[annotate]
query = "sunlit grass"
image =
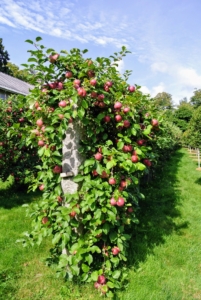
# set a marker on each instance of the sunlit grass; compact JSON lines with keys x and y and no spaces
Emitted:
{"x":164,"y":260}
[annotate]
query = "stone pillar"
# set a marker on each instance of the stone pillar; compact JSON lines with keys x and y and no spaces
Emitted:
{"x":71,"y":158}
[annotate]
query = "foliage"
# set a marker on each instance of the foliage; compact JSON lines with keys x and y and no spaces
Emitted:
{"x":4,"y":58}
{"x":163,"y":101}
{"x":16,"y":158}
{"x":192,"y":136}
{"x":196,"y":98}
{"x":182,"y":115}
{"x":17,"y":73}
{"x":122,"y":137}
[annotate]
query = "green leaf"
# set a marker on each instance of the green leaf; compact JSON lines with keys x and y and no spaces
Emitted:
{"x":94,"y":275}
{"x":85,"y":268}
{"x":38,"y":38}
{"x":56,"y":238}
{"x":110,"y":284}
{"x":116,"y":274}
{"x":120,"y":145}
{"x":84,"y":104}
{"x":32,"y":59}
{"x":78,"y":178}
{"x":41,"y":151}
{"x":89,"y":162}
{"x":85,"y":51}
{"x":111,"y":164}
{"x":29,"y":41}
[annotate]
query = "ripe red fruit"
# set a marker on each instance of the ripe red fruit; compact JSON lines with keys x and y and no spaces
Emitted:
{"x":130,"y":210}
{"x":147,"y":162}
{"x":69,"y":74}
{"x":36,"y":104}
{"x":113,"y":202}
{"x":107,"y":119}
{"x":126,"y":123}
{"x":73,"y":214}
{"x":123,"y":184}
{"x":109,"y":83}
{"x":53,"y":58}
{"x":62,"y":103}
{"x":117,"y":105}
{"x":115,"y":250}
{"x":98,"y":156}
{"x":60,"y":116}
{"x":21,"y":120}
{"x":100,"y":97}
{"x":104,"y":175}
{"x":118,"y":118}
{"x":81,"y":92}
{"x":93,"y":82}
{"x":112,"y":181}
{"x":97,"y":285}
{"x":41,"y":187}
{"x":91,"y":73}
{"x":41,"y":143}
{"x":53,"y":85}
{"x":95,"y":173}
{"x":44,"y":220}
{"x":134,"y":158}
{"x":126,"y":110}
{"x":131,"y":88}
{"x":154,"y":122}
{"x":140,"y":142}
{"x":101,"y":279}
{"x":60,"y":86}
{"x":101,"y":104}
{"x":60,"y":199}
{"x":57,"y":169}
{"x":120,"y":202}
{"x":93,"y":94}
{"x":39,"y":122}
{"x":76,"y":83}
{"x":106,"y":88}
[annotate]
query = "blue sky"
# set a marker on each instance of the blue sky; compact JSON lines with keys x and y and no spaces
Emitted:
{"x":164,"y":36}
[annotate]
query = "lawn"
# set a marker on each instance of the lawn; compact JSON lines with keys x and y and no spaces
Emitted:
{"x":164,"y":260}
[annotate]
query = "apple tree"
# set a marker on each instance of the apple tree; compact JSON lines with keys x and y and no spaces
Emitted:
{"x":91,"y":228}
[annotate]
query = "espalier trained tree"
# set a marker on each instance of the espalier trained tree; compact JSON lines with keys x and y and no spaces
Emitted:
{"x":119,"y":125}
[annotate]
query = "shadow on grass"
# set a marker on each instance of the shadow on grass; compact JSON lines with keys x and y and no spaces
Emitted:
{"x":198,"y":181}
{"x":157,"y":212}
{"x":16,"y":196}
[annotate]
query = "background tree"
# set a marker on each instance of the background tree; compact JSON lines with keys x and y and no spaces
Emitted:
{"x":17,"y":73}
{"x":163,"y":101}
{"x":4,"y":58}
{"x":193,"y":133}
{"x":183,"y":114}
{"x":196,"y":98}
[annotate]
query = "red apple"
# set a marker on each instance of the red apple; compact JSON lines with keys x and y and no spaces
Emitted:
{"x":73,"y":214}
{"x":44,"y":220}
{"x":57,"y":169}
{"x":126,"y":123}
{"x":39,"y":122}
{"x":141,"y":142}
{"x":101,"y":279}
{"x":134,"y":158}
{"x":154,"y":122}
{"x":41,"y":187}
{"x":93,"y":94}
{"x":112,"y":181}
{"x":115,"y":250}
{"x":98,"y":156}
{"x":52,"y":85}
{"x":53,"y":58}
{"x":62,"y":103}
{"x":93,"y":82}
{"x":97,"y":285}
{"x":107,"y":119}
{"x":130,"y":210}
{"x":126,"y":109}
{"x":109,"y":83}
{"x":91,"y":73}
{"x":60,"y":116}
{"x":118,"y":118}
{"x":117,"y":105}
{"x":69,"y":74}
{"x":95,"y":173}
{"x":101,"y":104}
{"x":36,"y":104}
{"x":113,"y":202}
{"x":81,"y":92}
{"x":60,"y":86}
{"x":100,"y":97}
{"x":123,"y":183}
{"x":41,"y":143}
{"x":76,"y":83}
{"x":131,"y":88}
{"x":147,"y":162}
{"x":120,"y":201}
{"x":104,"y":175}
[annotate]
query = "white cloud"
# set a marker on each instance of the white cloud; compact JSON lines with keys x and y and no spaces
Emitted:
{"x":159,"y":67}
{"x":121,"y":66}
{"x":189,"y":77}
{"x":145,"y":90}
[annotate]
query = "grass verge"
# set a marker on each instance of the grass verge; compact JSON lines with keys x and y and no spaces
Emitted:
{"x":165,"y":257}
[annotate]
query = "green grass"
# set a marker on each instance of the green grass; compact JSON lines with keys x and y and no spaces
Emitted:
{"x":164,"y":260}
